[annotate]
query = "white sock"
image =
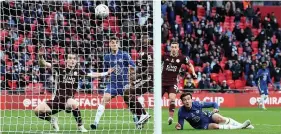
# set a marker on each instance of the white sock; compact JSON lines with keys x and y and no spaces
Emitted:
{"x":141,"y":100}
{"x":99,"y":114}
{"x":229,"y":127}
{"x":262,"y":100}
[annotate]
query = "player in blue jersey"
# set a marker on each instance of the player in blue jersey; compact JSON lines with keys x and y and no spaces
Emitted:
{"x":121,"y":62}
{"x":192,"y":112}
{"x":263,"y":78}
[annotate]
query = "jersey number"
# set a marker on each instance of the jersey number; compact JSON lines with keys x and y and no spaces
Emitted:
{"x":264,"y":77}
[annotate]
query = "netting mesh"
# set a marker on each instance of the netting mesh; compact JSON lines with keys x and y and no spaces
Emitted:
{"x":60,"y":28}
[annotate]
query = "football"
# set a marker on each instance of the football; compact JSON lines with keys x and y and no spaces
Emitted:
{"x":102,"y":11}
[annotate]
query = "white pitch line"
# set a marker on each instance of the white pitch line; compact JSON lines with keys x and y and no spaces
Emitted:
{"x":271,"y":125}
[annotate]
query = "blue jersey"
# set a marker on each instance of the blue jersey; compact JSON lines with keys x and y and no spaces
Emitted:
{"x":197,"y":118}
{"x":263,"y":78}
{"x":120,"y":62}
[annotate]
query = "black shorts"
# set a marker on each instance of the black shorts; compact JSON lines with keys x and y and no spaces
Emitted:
{"x":58,"y":103}
{"x":169,"y":89}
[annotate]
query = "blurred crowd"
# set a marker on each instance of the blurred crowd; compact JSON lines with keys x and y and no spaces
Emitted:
{"x":61,"y":27}
{"x":226,"y":41}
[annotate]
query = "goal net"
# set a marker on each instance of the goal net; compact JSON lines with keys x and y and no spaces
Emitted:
{"x":59,"y":28}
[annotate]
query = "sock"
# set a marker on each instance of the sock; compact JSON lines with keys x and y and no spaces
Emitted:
{"x":99,"y":114}
{"x":44,"y":116}
{"x":262,"y":100}
{"x":265,"y":98}
{"x":77,"y":115}
{"x":229,"y":127}
{"x":134,"y":106}
{"x":141,"y":100}
{"x":135,"y":117}
{"x":172,"y":109}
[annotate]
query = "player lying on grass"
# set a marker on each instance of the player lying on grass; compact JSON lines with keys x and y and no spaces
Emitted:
{"x":68,"y":78}
{"x":191,"y":111}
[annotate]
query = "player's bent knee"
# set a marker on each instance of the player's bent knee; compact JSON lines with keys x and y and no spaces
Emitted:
{"x":72,"y":104}
{"x":42,"y":108}
{"x":213,"y":126}
{"x":172,"y":96}
{"x":106,"y":97}
{"x":218,"y":118}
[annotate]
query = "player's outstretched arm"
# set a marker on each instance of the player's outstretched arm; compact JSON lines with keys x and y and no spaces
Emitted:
{"x":42,"y":61}
{"x":180,"y":123}
{"x":95,"y":74}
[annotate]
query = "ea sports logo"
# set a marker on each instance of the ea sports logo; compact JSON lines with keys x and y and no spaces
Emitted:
{"x":26,"y":102}
{"x":253,"y":100}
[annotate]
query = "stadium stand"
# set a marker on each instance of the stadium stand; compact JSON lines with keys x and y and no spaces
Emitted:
{"x":60,"y":26}
{"x":227,"y":41}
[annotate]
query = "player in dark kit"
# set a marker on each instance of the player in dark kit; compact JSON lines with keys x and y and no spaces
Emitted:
{"x":141,"y":81}
{"x":68,"y":78}
{"x":171,"y":65}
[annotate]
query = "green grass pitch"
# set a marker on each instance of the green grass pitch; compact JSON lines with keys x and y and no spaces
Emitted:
{"x":113,"y":122}
{"x":265,"y":122}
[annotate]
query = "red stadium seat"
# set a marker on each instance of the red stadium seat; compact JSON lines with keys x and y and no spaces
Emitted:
{"x":239,"y":84}
{"x":214,"y":77}
{"x":32,"y":27}
{"x":61,"y":51}
{"x":13,"y":84}
{"x":240,"y":50}
{"x":222,"y":65}
{"x":198,"y":69}
{"x":113,"y":21}
{"x":227,"y":19}
{"x":243,"y":19}
{"x":232,"y":18}
{"x":134,"y":54}
{"x":255,"y":32}
{"x":31,"y":48}
{"x":9,"y":64}
{"x":255,"y":51}
{"x":228,"y":74}
{"x":224,"y":59}
{"x":231,"y":84}
{"x":255,"y":44}
{"x":221,"y":78}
